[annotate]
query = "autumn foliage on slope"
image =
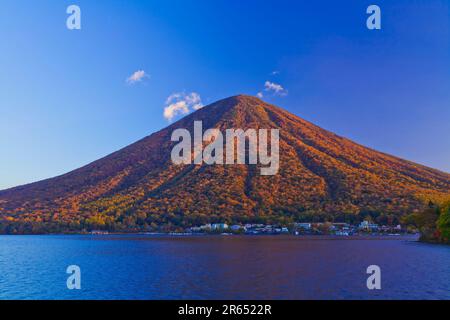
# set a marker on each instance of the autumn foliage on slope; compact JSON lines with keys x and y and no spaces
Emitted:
{"x":321,"y":176}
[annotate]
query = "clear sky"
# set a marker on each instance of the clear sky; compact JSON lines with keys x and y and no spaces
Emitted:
{"x":65,"y":100}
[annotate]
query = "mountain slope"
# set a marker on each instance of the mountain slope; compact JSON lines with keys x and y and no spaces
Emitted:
{"x":139,"y":186}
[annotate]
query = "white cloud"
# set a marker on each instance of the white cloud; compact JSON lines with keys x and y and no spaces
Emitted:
{"x":137,"y":76}
{"x":173,"y":97}
{"x":194,"y":100}
{"x":181,"y":103}
{"x":175,"y":108}
{"x":271,"y":86}
{"x":275,"y":88}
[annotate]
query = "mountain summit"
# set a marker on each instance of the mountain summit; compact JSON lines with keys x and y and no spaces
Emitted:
{"x":139,"y":187}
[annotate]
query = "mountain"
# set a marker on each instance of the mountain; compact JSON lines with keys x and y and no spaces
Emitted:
{"x":139,"y":188}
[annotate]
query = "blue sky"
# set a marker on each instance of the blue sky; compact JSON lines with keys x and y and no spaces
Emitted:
{"x":65,"y":101}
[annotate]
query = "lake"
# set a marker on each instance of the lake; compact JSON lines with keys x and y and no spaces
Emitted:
{"x":221,"y":267}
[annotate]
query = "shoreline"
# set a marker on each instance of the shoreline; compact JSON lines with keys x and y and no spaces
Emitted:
{"x":415,"y":237}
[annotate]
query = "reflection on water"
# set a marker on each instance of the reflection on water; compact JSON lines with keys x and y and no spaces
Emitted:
{"x":204,"y":267}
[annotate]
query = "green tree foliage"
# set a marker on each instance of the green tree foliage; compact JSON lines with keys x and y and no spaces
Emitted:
{"x":433,"y":223}
{"x":443,"y":224}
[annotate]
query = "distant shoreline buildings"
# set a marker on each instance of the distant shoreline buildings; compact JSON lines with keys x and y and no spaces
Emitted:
{"x":303,"y":228}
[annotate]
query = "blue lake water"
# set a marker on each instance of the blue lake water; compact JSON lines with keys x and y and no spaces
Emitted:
{"x":220,"y":267}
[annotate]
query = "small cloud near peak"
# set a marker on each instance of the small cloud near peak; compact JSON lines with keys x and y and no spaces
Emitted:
{"x":181,"y":103}
{"x":275,"y":88}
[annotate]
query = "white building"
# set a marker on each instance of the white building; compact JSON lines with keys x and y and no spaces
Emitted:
{"x":366,"y":225}
{"x":306,"y":226}
{"x":219,"y":226}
